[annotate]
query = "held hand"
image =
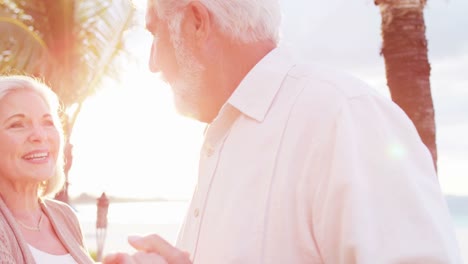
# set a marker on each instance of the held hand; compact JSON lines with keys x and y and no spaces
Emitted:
{"x":155,"y":244}
{"x":137,"y":258}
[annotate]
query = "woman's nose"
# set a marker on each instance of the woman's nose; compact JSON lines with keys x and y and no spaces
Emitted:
{"x":38,"y":134}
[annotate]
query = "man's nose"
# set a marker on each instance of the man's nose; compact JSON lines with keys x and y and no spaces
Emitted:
{"x":153,"y":60}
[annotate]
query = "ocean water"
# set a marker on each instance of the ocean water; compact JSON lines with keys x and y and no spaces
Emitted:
{"x":164,"y":218}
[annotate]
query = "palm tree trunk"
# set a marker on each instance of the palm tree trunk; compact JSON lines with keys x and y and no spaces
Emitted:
{"x":407,"y":66}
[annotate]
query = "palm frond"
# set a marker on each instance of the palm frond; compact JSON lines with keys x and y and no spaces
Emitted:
{"x":79,"y":42}
{"x":107,"y":45}
{"x":19,"y":38}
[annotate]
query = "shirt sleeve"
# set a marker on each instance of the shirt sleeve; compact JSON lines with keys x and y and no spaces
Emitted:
{"x":380,"y":201}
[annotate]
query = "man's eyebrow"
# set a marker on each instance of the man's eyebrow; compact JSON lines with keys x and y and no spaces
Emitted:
{"x":149,"y":16}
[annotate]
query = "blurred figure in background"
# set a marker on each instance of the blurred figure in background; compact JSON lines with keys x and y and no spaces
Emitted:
{"x":33,"y":228}
{"x":300,"y":164}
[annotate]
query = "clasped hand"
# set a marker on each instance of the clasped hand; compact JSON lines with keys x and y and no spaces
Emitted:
{"x":151,"y":249}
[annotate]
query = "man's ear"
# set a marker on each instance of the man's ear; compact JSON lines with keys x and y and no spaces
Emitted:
{"x":197,"y":23}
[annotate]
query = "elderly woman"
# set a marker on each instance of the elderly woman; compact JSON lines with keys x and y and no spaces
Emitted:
{"x":33,"y":228}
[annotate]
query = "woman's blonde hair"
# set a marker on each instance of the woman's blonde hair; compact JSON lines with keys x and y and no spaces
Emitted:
{"x":13,"y":83}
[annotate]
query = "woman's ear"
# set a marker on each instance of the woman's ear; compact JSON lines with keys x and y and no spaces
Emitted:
{"x":197,"y":23}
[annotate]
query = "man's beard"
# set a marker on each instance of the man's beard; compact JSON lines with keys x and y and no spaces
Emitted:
{"x":187,"y":87}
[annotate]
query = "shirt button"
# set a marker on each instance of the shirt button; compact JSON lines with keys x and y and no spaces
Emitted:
{"x":209,"y":151}
{"x":196,"y":212}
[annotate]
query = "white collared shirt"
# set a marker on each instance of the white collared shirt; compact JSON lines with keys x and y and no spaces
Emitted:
{"x":305,"y":165}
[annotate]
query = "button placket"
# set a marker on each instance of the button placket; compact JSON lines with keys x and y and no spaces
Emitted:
{"x":214,"y":139}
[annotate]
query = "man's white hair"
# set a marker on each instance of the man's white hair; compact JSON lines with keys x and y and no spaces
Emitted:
{"x":244,"y":20}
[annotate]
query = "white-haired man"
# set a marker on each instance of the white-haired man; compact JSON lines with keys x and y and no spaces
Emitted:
{"x":299,"y":164}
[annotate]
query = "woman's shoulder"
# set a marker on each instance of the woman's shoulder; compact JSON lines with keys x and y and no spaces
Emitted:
{"x":3,"y":224}
{"x":10,"y":251}
{"x":56,"y":203}
{"x":58,"y":207}
{"x":62,"y":214}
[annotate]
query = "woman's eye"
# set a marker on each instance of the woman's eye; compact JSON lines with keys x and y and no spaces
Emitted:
{"x":17,"y":125}
{"x":49,"y":123}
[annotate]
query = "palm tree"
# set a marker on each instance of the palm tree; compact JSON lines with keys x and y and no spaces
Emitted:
{"x":407,"y":66}
{"x":71,"y":44}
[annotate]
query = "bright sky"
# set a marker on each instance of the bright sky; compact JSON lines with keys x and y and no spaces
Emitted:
{"x":130,"y":141}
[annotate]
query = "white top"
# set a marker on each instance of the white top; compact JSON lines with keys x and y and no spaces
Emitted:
{"x":305,"y":165}
{"x":42,"y":257}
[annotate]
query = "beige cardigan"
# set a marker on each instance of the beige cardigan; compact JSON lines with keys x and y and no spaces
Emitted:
{"x":14,"y":248}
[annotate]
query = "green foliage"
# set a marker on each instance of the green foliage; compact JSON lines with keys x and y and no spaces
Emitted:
{"x":93,"y":255}
{"x":72,"y":45}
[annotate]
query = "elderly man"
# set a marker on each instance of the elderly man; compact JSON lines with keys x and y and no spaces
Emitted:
{"x":300,"y":164}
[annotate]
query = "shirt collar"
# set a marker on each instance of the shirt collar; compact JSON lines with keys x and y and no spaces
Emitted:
{"x":255,"y":94}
